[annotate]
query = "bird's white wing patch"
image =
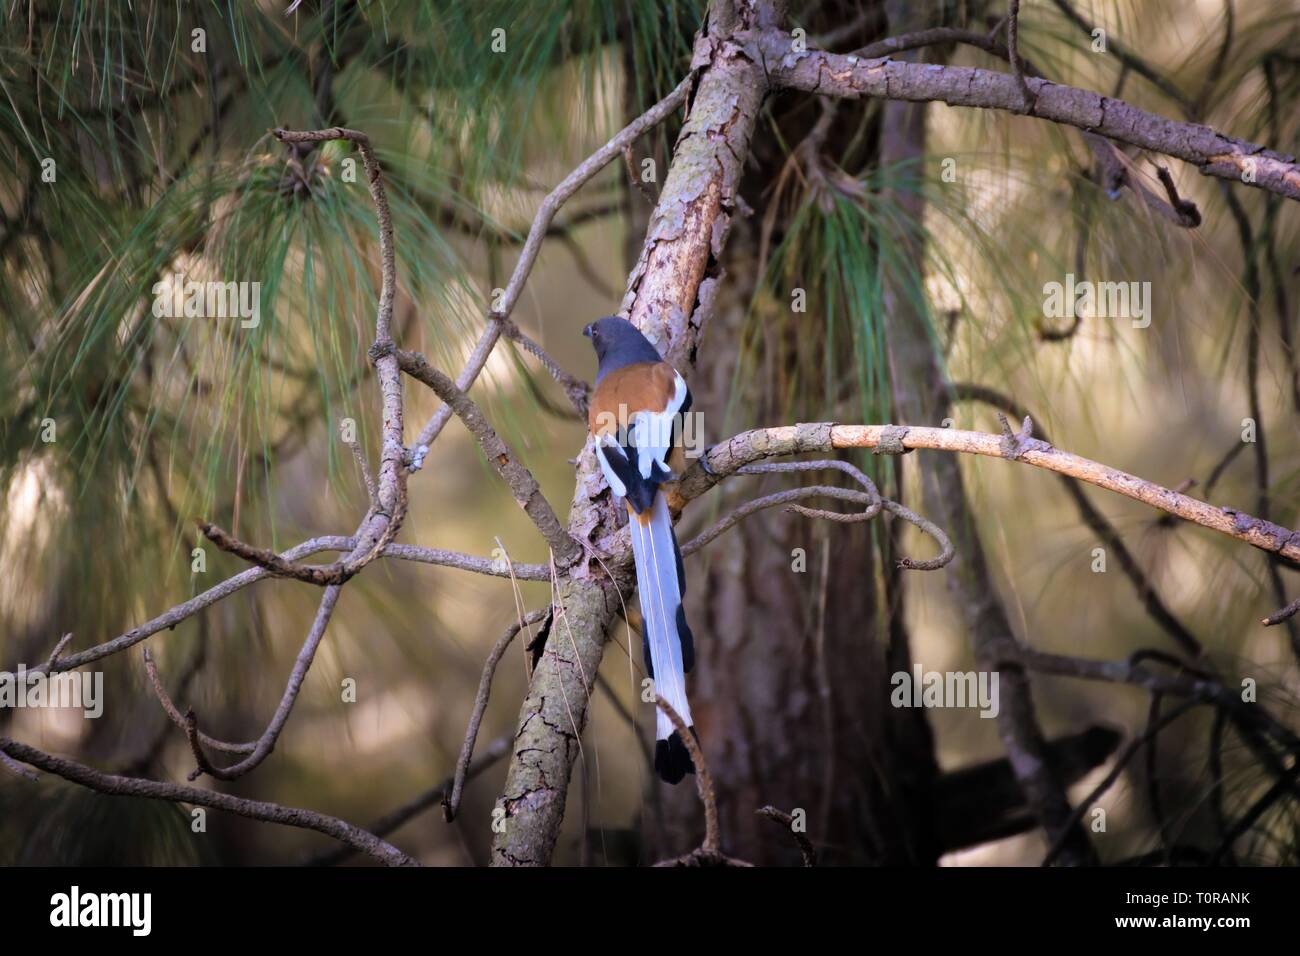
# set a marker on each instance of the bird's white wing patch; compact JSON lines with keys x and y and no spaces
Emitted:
{"x":652,"y":432}
{"x":615,"y":484}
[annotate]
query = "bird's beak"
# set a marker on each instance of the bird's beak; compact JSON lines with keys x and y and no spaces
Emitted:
{"x":586,"y":330}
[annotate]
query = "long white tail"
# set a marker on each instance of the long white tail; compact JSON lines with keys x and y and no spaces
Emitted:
{"x":668,"y":641}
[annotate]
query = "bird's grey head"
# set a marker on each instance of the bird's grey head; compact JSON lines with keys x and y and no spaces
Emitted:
{"x":618,"y":343}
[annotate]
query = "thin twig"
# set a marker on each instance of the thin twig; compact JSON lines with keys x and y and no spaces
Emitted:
{"x":451,"y":800}
{"x":395,"y":819}
{"x":175,"y":615}
{"x":1114,"y":774}
{"x":1277,"y":617}
{"x":781,"y":818}
{"x":1213,"y":153}
{"x":179,"y":719}
{"x":1105,"y":531}
{"x":1013,"y":53}
{"x":708,"y":853}
{"x":636,"y":180}
{"x":266,"y":742}
{"x":366,"y":477}
{"x":523,"y":486}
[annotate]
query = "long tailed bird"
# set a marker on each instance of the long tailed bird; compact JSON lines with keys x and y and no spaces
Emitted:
{"x":635,"y":418}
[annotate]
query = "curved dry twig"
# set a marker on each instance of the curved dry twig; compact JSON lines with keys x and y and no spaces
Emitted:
{"x":179,"y":719}
{"x":870,"y":498}
{"x":781,"y":818}
{"x":266,"y":743}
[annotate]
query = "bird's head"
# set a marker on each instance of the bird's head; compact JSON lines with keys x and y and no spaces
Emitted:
{"x":613,"y":334}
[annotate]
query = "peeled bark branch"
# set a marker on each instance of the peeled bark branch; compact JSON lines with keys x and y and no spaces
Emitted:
{"x":750,"y":446}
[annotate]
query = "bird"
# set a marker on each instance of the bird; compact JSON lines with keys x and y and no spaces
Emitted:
{"x":634,"y":423}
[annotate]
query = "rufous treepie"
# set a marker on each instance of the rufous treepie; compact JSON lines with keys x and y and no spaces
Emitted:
{"x":635,"y":420}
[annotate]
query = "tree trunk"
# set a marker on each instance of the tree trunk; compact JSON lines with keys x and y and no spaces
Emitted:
{"x":791,"y":688}
{"x":669,"y":298}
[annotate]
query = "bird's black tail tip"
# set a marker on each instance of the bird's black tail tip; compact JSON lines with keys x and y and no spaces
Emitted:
{"x":672,"y":759}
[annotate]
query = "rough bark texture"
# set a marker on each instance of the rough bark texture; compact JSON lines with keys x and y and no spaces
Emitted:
{"x":668,"y":297}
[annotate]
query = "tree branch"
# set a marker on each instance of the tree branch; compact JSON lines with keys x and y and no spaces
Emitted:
{"x":747,"y":447}
{"x":527,"y":493}
{"x":174,"y":616}
{"x":1213,"y":153}
{"x":93,"y":779}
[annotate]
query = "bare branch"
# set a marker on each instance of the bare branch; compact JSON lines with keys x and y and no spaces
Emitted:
{"x":170,"y":618}
{"x":1121,"y":53}
{"x":381,"y":523}
{"x":266,"y":743}
{"x":1277,"y":617}
{"x":1113,"y":166}
{"x":1104,"y":530}
{"x":1116,"y":770}
{"x":322,"y":575}
{"x":366,"y":477}
{"x":636,"y":180}
{"x":1013,"y":54}
{"x":93,"y":779}
{"x":575,"y":389}
{"x":179,"y":719}
{"x":1213,"y":153}
{"x":709,"y":852}
{"x":392,"y":821}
